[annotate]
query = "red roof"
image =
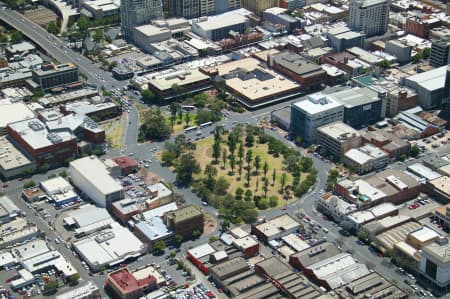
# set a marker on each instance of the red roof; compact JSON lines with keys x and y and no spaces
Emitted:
{"x":125,"y":162}
{"x":128,"y":283}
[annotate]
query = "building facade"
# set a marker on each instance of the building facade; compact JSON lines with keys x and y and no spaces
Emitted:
{"x":258,"y":6}
{"x":337,"y":138}
{"x":440,"y":52}
{"x":138,"y":12}
{"x":369,"y":16}
{"x":184,"y":220}
{"x":50,"y":76}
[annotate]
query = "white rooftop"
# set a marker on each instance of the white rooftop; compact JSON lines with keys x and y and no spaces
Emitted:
{"x":14,"y":112}
{"x":424,"y":234}
{"x":317,"y":103}
{"x":221,"y":21}
{"x":95,"y":171}
{"x":89,"y":214}
{"x":430,"y":80}
{"x":201,"y":251}
{"x":56,"y":185}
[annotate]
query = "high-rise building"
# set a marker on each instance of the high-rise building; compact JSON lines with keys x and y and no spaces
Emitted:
{"x":138,"y":12}
{"x":440,"y":52}
{"x":369,"y":16}
{"x":258,"y":6}
{"x":207,"y":7}
{"x":188,"y":9}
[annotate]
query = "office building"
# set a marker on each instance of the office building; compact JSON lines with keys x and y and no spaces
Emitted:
{"x":278,"y":16}
{"x":125,"y":284}
{"x":292,"y":4}
{"x":219,"y":27}
{"x":258,"y":6}
{"x":430,"y":86}
{"x":369,"y":16}
{"x":337,"y":138}
{"x":138,"y":12}
{"x":362,"y":106}
{"x":440,"y":52}
{"x":91,"y":176}
{"x":50,"y":76}
{"x":184,"y":220}
{"x":388,"y":142}
{"x":342,"y":38}
{"x":275,"y":228}
{"x":316,"y":111}
{"x":13,"y":112}
{"x":365,"y":159}
{"x":308,"y":74}
{"x":208,"y":7}
{"x":401,"y":49}
{"x":13,"y":162}
{"x":435,"y":263}
{"x":43,"y":144}
{"x":188,"y":9}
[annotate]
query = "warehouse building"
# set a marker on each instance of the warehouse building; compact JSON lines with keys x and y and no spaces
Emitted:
{"x":90,"y":175}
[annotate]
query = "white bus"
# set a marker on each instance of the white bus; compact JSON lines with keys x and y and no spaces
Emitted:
{"x":207,"y":124}
{"x":187,"y":107}
{"x":190,"y":129}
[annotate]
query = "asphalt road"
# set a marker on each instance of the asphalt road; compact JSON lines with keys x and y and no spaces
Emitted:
{"x":58,"y":50}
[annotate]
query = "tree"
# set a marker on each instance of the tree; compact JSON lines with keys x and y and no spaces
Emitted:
{"x":249,"y":157}
{"x":363,"y":235}
{"x":178,"y":239}
{"x":216,"y":151}
{"x":173,"y":112}
{"x":73,"y":278}
{"x":248,"y":195}
{"x":16,"y":36}
{"x":29,"y":184}
{"x":331,"y":180}
{"x":265,"y":187}
{"x":265,"y":169}
{"x":426,"y":53}
{"x":298,"y":140}
{"x":52,"y":28}
{"x":180,"y":114}
{"x":415,"y":151}
{"x":418,"y":57}
{"x":240,"y":164}
{"x":196,"y":233}
{"x":384,"y":64}
{"x":225,"y":225}
{"x":210,"y":172}
{"x":187,"y":118}
{"x":159,"y":246}
{"x":232,"y":163}
{"x":185,"y":168}
{"x":148,"y":96}
{"x":273,"y":201}
{"x":177,"y":90}
{"x":249,"y":140}
{"x":238,"y":193}
{"x":153,"y":126}
{"x":257,"y":164}
{"x":51,"y":286}
{"x":83,"y":24}
{"x":283,"y":181}
{"x":274,"y":176}
{"x":3,"y":38}
{"x":241,"y":151}
{"x":221,"y":186}
{"x":224,"y":158}
{"x":98,"y":35}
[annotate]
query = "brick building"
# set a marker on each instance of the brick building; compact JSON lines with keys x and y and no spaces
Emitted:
{"x":184,"y":221}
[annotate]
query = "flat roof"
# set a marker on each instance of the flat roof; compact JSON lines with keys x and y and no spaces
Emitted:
{"x":110,"y":246}
{"x":317,"y":253}
{"x":442,"y":184}
{"x":30,"y":249}
{"x":56,"y":185}
{"x":95,"y":171}
{"x":150,"y":29}
{"x":424,"y":234}
{"x":297,"y":64}
{"x":11,"y":157}
{"x":89,"y":214}
{"x":295,"y":242}
{"x":184,"y":213}
{"x":430,"y":80}
{"x":221,"y":21}
{"x":356,"y":97}
{"x":154,"y":229}
{"x":201,"y":251}
{"x":318,"y":103}
{"x":277,"y":225}
{"x":181,"y":78}
{"x":14,"y":112}
{"x":392,"y":236}
{"x":36,"y":134}
{"x":339,"y":131}
{"x":80,"y":292}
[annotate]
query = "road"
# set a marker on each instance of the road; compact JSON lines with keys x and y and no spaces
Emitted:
{"x":58,"y":50}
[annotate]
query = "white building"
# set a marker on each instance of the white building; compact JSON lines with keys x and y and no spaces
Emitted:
{"x":91,"y":176}
{"x":435,"y":262}
{"x":219,"y":27}
{"x":335,"y":207}
{"x":88,"y":219}
{"x":318,"y":110}
{"x":109,"y":247}
{"x":365,"y":158}
{"x":59,"y":190}
{"x":88,"y":291}
{"x":369,"y":16}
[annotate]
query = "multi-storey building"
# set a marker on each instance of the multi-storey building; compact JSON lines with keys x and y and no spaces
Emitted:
{"x":50,"y":76}
{"x":138,"y":12}
{"x":316,"y":111}
{"x":188,"y":9}
{"x":258,"y":6}
{"x":369,"y":16}
{"x":184,"y":221}
{"x":337,"y":138}
{"x":440,"y":52}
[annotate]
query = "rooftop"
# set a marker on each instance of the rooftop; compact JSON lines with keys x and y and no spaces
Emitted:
{"x":439,"y":250}
{"x":423,"y":171}
{"x":317,"y":253}
{"x":11,"y":157}
{"x":424,"y":234}
{"x":95,"y":171}
{"x":184,"y":213}
{"x":317,"y":103}
{"x":442,"y":184}
{"x":356,"y":97}
{"x":339,"y":131}
{"x":153,"y":229}
{"x":127,"y":282}
{"x":277,"y":225}
{"x":36,"y":134}
{"x":15,"y":112}
{"x":430,"y":80}
{"x":221,"y":21}
{"x":296,"y":64}
{"x":181,"y":78}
